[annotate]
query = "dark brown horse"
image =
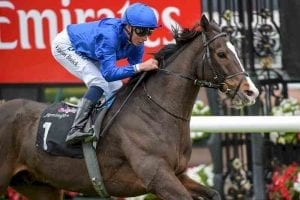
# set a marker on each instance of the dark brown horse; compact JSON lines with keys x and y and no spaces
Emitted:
{"x":148,"y":146}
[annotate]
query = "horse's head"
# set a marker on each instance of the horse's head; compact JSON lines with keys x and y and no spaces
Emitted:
{"x":222,"y":67}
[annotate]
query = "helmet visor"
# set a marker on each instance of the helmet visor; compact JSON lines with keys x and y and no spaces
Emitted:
{"x":141,"y":31}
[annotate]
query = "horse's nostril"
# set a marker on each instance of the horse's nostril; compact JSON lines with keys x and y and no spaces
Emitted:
{"x":249,"y":93}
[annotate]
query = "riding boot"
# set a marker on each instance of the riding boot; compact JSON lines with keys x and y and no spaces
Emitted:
{"x":76,"y":134}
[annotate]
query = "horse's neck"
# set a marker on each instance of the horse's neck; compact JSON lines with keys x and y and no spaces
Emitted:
{"x":175,"y":94}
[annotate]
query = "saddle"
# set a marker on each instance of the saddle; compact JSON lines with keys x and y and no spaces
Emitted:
{"x":54,"y":125}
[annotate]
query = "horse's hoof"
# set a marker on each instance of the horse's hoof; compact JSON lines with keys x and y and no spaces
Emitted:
{"x":216,"y":196}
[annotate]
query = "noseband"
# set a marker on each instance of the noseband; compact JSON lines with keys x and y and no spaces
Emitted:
{"x":222,"y":86}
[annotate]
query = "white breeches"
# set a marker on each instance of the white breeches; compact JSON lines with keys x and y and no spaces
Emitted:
{"x":81,"y":66}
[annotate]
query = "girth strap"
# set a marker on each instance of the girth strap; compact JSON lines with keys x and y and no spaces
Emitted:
{"x":93,"y":168}
{"x":91,"y":160}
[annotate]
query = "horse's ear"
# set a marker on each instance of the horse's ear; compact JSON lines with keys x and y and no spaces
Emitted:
{"x":204,"y":23}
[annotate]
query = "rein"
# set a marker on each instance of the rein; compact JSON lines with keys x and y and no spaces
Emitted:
{"x":161,"y":107}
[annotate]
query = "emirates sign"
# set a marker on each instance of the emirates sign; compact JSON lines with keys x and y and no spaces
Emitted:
{"x":28,"y":27}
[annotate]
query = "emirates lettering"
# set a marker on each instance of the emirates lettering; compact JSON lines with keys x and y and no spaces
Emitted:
{"x":48,"y":20}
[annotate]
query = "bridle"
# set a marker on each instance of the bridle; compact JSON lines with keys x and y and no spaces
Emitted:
{"x":222,"y":86}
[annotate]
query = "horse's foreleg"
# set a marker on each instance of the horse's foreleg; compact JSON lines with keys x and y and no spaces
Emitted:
{"x":197,"y":190}
{"x":166,"y":185}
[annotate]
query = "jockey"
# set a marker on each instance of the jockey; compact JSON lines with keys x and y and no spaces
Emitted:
{"x":90,"y":51}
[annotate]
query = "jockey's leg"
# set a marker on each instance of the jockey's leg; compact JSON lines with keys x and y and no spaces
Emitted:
{"x":86,"y":105}
{"x":197,"y":190}
{"x":88,"y":71}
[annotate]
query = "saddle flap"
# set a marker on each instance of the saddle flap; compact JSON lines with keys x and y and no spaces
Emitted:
{"x":54,"y":125}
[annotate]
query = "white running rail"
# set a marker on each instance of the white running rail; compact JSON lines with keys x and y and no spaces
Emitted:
{"x":245,"y":124}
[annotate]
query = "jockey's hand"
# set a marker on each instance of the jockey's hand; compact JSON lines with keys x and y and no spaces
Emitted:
{"x":148,"y":65}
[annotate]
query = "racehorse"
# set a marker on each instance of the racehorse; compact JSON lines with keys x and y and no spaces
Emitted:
{"x":148,"y":146}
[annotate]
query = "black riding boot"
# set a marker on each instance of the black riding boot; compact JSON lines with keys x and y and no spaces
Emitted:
{"x":76,"y":134}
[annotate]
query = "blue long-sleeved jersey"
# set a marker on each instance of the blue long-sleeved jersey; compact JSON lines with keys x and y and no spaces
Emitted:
{"x":106,"y":41}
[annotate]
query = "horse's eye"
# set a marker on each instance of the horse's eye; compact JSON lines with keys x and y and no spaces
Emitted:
{"x":221,"y":55}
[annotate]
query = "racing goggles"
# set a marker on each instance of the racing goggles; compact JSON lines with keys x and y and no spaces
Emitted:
{"x":141,"y":32}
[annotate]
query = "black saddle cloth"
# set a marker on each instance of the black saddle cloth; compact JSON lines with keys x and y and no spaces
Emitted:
{"x":54,"y":125}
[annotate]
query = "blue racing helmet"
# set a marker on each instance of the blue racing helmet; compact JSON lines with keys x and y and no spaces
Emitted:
{"x":139,"y":15}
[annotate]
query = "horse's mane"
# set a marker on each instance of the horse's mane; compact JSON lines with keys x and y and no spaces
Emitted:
{"x":181,"y":38}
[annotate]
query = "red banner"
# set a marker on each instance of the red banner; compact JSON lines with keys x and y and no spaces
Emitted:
{"x":28,"y":27}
